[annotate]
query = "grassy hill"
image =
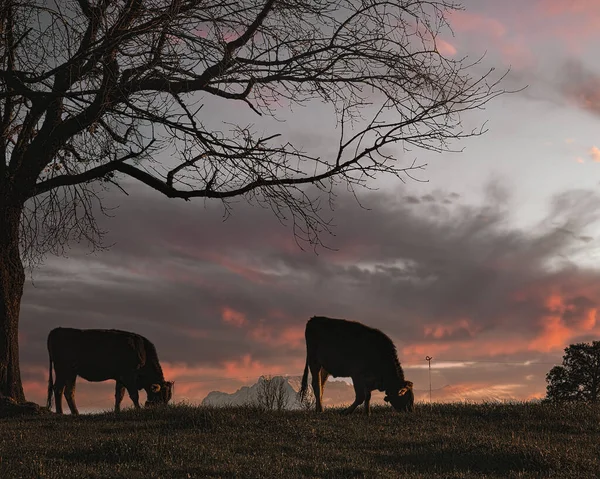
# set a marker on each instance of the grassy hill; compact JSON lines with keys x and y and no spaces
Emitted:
{"x":437,"y":441}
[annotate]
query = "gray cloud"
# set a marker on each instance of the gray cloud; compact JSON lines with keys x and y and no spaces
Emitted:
{"x":581,"y":85}
{"x":424,"y":272}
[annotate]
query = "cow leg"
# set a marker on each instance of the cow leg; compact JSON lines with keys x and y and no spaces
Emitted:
{"x":70,"y":394}
{"x":59,"y":387}
{"x":130,"y":382}
{"x":315,"y":371}
{"x":359,"y":390}
{"x":134,"y":394}
{"x":119,"y":394}
{"x":367,"y":402}
{"x":324,"y":376}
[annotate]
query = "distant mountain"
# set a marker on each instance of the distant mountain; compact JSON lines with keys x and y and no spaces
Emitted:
{"x":337,"y":393}
{"x":248,"y":395}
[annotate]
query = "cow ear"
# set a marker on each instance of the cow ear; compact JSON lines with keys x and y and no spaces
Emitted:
{"x":155,"y":388}
{"x":406,"y":388}
{"x":402,"y":391}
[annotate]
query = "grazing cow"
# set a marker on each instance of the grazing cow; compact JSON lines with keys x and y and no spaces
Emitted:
{"x":100,"y":355}
{"x":344,"y":348}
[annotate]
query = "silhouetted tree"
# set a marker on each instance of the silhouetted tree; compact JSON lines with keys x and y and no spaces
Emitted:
{"x":272,"y":393}
{"x":282,"y":398}
{"x":578,"y":379}
{"x":96,"y":91}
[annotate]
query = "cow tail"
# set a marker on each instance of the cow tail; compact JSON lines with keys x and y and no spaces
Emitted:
{"x":304,"y":385}
{"x":50,"y":385}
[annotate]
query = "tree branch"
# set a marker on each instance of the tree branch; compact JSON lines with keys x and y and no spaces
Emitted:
{"x":132,"y":72}
{"x":7,"y":29}
{"x":86,"y":176}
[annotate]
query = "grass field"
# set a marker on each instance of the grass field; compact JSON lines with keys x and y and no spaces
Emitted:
{"x":437,"y":441}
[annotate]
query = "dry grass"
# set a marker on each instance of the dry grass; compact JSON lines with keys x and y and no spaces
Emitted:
{"x":438,"y":441}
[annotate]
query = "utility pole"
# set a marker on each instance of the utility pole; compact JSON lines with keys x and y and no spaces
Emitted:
{"x":428,"y":359}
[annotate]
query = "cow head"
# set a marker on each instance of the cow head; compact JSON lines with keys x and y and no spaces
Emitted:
{"x":159,"y":393}
{"x":404,"y":399}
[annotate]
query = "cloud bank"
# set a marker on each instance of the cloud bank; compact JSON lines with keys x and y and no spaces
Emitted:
{"x":226,"y":302}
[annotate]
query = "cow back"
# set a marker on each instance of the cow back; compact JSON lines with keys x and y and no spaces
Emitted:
{"x":349,"y":348}
{"x":96,"y":354}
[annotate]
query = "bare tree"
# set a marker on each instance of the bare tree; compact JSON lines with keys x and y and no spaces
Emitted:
{"x":272,"y":393}
{"x":265,"y":394}
{"x":282,"y":398}
{"x":97,"y":91}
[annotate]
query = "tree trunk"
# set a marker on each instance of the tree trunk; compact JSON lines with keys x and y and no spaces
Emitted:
{"x":12,"y":279}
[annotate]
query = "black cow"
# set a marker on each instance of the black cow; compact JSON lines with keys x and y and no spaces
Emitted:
{"x":100,"y":355}
{"x":344,"y":348}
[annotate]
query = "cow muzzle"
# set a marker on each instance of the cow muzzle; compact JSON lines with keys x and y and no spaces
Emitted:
{"x":160,"y":393}
{"x":404,"y":399}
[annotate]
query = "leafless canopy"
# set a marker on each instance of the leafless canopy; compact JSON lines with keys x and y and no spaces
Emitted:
{"x":272,"y":393}
{"x":98,"y":90}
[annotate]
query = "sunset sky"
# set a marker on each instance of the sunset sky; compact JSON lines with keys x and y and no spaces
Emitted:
{"x":490,"y":266}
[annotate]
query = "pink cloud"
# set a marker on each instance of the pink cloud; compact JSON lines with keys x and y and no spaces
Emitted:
{"x":88,"y":396}
{"x":475,"y":391}
{"x":533,"y":26}
{"x":572,"y":21}
{"x":554,"y":336}
{"x":561,"y":7}
{"x":239,"y":268}
{"x":511,"y":45}
{"x":440,"y":331}
{"x":246,"y":367}
{"x":463,"y":21}
{"x":517,"y":54}
{"x":233,"y":317}
{"x":291,"y":336}
{"x":595,"y":154}
{"x":562,"y":324}
{"x":445,"y":48}
{"x":194,"y":382}
{"x":36,"y":389}
{"x":568,"y":312}
{"x":418,"y":350}
{"x":562,"y":309}
{"x":488,"y":346}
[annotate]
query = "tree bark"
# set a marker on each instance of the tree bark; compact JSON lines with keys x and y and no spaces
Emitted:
{"x":12,"y":279}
